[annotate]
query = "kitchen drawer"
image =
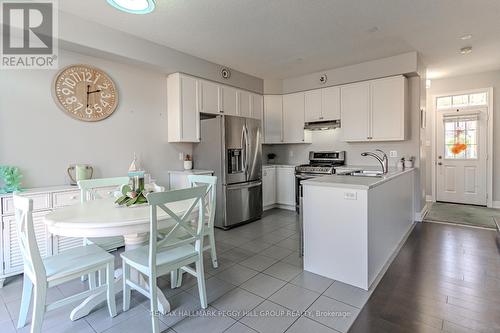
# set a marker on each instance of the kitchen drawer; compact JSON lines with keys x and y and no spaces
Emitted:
{"x":67,"y":198}
{"x":40,"y":202}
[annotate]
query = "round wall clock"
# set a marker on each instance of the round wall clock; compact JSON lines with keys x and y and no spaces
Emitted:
{"x":85,"y":93}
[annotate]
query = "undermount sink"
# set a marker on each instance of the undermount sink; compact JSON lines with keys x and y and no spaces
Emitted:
{"x":365,"y":173}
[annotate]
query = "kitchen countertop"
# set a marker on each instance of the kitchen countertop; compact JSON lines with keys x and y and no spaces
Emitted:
{"x":354,"y":182}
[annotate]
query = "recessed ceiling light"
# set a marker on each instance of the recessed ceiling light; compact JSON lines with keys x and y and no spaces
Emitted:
{"x":466,"y":50}
{"x":134,"y":6}
{"x":466,"y":37}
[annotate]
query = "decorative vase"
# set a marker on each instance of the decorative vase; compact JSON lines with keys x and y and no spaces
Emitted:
{"x":188,"y":165}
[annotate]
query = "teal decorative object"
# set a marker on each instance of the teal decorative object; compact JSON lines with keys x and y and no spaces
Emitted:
{"x":11,"y":177}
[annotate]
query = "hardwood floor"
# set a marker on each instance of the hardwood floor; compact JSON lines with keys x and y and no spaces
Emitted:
{"x":445,"y":278}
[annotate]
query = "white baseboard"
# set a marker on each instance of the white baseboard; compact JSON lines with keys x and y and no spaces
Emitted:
{"x":496,"y":204}
{"x":419,"y":216}
{"x":280,"y":206}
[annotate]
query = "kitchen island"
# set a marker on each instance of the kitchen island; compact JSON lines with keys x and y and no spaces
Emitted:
{"x":354,"y":225}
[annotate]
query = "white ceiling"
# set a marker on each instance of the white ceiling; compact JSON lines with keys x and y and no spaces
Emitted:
{"x":276,"y":39}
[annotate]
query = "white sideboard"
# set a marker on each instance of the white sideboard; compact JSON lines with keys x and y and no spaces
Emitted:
{"x":45,"y":200}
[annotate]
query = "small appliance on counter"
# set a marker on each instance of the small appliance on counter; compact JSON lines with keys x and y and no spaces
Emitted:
{"x":77,"y":172}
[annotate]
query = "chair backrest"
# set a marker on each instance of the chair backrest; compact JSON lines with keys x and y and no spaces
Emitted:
{"x":89,"y":187}
{"x":33,"y":265}
{"x":210,"y":196}
{"x":193,"y":197}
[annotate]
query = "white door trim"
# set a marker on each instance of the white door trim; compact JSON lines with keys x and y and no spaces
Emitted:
{"x":489,"y":141}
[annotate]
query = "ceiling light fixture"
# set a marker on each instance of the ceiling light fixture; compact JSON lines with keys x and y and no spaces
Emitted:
{"x":134,"y":6}
{"x":466,"y":37}
{"x":466,"y":50}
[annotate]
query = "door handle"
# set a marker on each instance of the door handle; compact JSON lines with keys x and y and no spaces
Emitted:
{"x":439,"y":163}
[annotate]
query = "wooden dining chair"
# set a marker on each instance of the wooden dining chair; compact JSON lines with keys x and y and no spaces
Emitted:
{"x":41,"y":274}
{"x":169,"y":253}
{"x":210,"y":206}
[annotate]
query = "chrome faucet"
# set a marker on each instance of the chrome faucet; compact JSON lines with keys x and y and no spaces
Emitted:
{"x":384,"y":161}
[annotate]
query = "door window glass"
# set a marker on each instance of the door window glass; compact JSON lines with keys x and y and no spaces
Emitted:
{"x":461,"y":137}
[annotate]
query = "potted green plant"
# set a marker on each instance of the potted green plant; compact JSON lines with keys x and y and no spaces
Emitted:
{"x":11,"y":177}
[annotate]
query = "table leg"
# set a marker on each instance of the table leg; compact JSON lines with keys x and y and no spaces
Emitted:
{"x":131,"y":242}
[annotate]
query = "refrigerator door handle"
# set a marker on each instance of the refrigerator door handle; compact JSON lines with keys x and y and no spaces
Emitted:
{"x":247,"y":150}
{"x":245,"y":185}
{"x":243,"y":151}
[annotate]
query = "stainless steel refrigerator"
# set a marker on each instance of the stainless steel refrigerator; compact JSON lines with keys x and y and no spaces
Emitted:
{"x":232,"y":148}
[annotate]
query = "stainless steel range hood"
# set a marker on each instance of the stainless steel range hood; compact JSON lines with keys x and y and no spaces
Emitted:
{"x":322,"y":125}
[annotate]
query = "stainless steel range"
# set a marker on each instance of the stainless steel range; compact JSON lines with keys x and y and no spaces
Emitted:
{"x":320,"y":163}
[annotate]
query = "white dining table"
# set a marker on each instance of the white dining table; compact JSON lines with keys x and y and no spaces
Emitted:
{"x":103,"y":218}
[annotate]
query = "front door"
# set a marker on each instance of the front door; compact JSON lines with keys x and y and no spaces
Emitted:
{"x":461,"y":156}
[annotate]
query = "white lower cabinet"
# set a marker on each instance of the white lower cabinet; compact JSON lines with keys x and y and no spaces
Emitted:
{"x":278,"y":187}
{"x":268,"y":187}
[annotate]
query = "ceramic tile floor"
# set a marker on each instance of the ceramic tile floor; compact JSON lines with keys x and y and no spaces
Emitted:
{"x":260,"y":286}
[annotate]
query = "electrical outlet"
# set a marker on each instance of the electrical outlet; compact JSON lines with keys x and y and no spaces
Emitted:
{"x":393,"y":153}
{"x":350,"y":196}
{"x":181,"y":156}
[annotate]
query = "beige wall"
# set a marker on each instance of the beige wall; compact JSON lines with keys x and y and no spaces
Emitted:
{"x":38,"y":137}
{"x":460,"y":83}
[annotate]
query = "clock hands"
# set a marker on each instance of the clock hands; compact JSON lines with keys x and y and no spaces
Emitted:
{"x":90,"y":92}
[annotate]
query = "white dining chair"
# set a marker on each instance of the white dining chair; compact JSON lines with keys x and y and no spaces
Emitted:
{"x":92,"y":189}
{"x":41,"y":274}
{"x":210,"y":206}
{"x":166,"y":254}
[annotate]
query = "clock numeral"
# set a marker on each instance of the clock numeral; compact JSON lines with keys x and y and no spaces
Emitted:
{"x":71,"y":100}
{"x":105,"y":94}
{"x":97,"y":108}
{"x":104,"y":103}
{"x":102,"y":86}
{"x":67,"y":91}
{"x":97,"y":76}
{"x":69,"y":82}
{"x":89,"y":111}
{"x":80,"y":105}
{"x":88,"y":77}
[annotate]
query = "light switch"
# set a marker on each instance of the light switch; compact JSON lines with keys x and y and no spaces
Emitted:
{"x":350,"y":196}
{"x":181,"y":156}
{"x":393,"y":153}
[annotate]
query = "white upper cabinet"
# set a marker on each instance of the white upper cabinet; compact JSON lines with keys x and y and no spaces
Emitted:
{"x":209,"y":97}
{"x":293,"y":118}
{"x":257,"y":105}
{"x":355,"y":106}
{"x":375,"y":110}
{"x":229,"y":101}
{"x":330,"y":103}
{"x":183,"y":115}
{"x":313,"y":105}
{"x":322,"y":104}
{"x":244,"y":104}
{"x":273,"y":118}
{"x":388,"y":106}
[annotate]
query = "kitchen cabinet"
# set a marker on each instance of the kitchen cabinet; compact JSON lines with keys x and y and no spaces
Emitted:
{"x":183,"y":113}
{"x":257,"y":106}
{"x":229,"y":101}
{"x":375,"y":110}
{"x":273,"y":118}
{"x":244,"y":104}
{"x":322,"y":104}
{"x":293,"y":119}
{"x":285,"y":186}
{"x":388,"y":109}
{"x":355,"y":108}
{"x":268,"y":187}
{"x":209,"y":93}
{"x":330,"y":103}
